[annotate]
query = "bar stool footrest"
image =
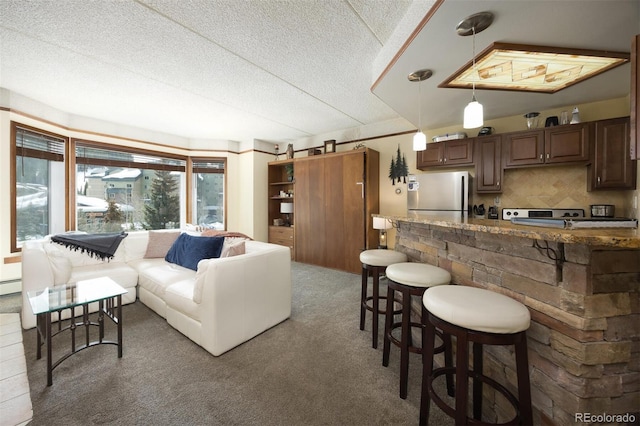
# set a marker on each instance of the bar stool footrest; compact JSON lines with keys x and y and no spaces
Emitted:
{"x":449,"y":410}
{"x":369,"y":307}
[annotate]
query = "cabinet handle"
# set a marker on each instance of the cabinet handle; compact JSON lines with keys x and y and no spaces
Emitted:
{"x":598,"y":180}
{"x":541,"y":157}
{"x":547,"y":155}
{"x":361,"y":188}
{"x":498,"y":183}
{"x":445,"y":159}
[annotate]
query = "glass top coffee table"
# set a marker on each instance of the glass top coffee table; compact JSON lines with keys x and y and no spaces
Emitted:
{"x":76,"y":297}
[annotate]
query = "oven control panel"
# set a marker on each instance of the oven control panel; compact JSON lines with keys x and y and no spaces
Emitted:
{"x":507,"y":214}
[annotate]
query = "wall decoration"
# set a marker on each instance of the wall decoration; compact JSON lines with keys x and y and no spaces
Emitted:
{"x":330,"y":146}
{"x":289,"y":151}
{"x":399,"y":168}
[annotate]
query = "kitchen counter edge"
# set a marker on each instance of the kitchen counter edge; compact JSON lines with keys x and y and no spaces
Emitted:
{"x":608,"y":237}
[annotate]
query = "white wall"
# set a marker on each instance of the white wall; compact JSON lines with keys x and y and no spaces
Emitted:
{"x":247,"y":165}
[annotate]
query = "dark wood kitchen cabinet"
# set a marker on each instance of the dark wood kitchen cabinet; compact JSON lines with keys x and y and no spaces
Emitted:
{"x":611,"y":165}
{"x":523,"y":148}
{"x":489,"y":171}
{"x":568,"y":144}
{"x":457,"y":152}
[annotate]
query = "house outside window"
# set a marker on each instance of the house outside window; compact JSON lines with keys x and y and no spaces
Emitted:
{"x":38,"y":175}
{"x":110,"y":189}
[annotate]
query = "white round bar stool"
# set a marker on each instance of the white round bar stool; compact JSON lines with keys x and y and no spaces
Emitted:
{"x":375,"y":262}
{"x":409,"y":279}
{"x":482,"y":317}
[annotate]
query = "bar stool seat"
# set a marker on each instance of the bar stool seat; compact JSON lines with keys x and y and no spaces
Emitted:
{"x":409,"y":279}
{"x":481,"y":317}
{"x":375,"y":262}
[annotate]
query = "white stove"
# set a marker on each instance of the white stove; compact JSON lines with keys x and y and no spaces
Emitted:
{"x":564,"y":219}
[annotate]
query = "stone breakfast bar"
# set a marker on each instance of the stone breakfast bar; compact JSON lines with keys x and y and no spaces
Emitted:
{"x":582,"y":289}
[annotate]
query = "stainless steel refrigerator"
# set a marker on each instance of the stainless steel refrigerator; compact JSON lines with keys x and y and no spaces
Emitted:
{"x":444,"y":194}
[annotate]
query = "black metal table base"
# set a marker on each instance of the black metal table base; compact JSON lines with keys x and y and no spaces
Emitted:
{"x":110,"y":307}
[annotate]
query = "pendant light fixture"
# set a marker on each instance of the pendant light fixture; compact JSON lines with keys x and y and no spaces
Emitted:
{"x":419,"y":139}
{"x":473,"y":113}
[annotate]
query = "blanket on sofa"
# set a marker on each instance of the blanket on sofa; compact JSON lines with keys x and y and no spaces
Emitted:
{"x":99,"y":245}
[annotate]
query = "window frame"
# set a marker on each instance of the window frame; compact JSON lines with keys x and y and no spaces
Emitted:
{"x":193,"y":169}
{"x":13,"y":153}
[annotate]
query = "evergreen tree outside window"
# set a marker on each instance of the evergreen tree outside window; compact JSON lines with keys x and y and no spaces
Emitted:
{"x":163,"y":209}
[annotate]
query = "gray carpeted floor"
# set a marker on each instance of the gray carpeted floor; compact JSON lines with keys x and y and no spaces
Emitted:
{"x":316,"y":368}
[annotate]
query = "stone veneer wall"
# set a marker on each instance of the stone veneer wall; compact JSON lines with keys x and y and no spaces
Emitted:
{"x":584,"y":339}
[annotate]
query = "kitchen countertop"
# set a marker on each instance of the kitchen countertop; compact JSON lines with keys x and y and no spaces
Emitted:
{"x":611,"y":237}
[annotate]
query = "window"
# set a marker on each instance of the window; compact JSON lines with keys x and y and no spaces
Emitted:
{"x":116,"y":187}
{"x":209,"y":184}
{"x":38,"y":176}
{"x":110,"y":193}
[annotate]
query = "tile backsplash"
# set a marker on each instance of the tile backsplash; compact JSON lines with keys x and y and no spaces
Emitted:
{"x":554,"y":187}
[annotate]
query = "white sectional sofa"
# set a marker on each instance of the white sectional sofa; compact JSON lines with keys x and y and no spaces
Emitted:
{"x":226,"y":302}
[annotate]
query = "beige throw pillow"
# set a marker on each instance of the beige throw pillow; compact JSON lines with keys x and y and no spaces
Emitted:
{"x":159,"y":243}
{"x":232,"y":247}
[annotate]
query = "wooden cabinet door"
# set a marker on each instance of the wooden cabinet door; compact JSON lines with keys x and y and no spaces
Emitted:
{"x":345,"y":210}
{"x":431,"y":157}
{"x":310,"y":237}
{"x":458,"y":152}
{"x":612,"y":167}
{"x":523,"y":148}
{"x":567,"y":144}
{"x":448,"y":153}
{"x":489,"y":164}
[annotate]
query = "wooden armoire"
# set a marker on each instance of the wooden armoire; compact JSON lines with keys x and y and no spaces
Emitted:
{"x":335,"y":195}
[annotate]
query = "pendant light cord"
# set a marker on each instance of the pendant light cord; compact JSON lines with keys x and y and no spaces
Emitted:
{"x":420,"y":106}
{"x":473,"y":82}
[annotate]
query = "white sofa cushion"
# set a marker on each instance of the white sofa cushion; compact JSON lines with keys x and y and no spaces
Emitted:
{"x":120,"y":272}
{"x":179,"y":296}
{"x":155,"y":275}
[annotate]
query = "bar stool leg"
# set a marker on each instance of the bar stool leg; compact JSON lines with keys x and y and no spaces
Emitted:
{"x":363,"y":297}
{"x":524,"y":387}
{"x":388,"y":323}
{"x":404,"y":347}
{"x":376,"y":304}
{"x":462,"y":379}
{"x":448,"y":360}
{"x":477,"y":383}
{"x":428,"y":343}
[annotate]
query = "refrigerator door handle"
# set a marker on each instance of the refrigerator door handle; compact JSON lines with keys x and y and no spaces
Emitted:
{"x":361,"y":188}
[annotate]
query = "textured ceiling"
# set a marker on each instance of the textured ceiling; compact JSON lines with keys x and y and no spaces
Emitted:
{"x":217,"y":69}
{"x":587,"y":24}
{"x":283,"y":70}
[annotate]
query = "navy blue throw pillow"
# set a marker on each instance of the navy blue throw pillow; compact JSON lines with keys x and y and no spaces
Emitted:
{"x":188,"y":250}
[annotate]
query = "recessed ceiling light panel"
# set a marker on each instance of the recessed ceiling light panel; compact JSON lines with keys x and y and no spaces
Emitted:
{"x":528,"y":68}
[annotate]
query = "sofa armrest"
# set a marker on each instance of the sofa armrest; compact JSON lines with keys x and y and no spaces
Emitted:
{"x":242,"y":296}
{"x":37,"y":274}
